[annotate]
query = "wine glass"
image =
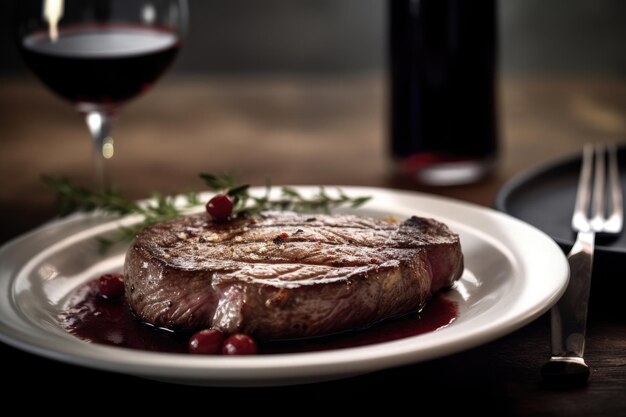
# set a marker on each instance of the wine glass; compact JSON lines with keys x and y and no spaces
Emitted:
{"x":98,"y":54}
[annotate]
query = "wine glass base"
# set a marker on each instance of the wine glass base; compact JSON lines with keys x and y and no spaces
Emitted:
{"x":448,"y":173}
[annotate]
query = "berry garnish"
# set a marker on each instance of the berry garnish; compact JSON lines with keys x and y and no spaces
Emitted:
{"x":111,"y":285}
{"x":239,"y":344}
{"x":206,"y":342}
{"x":220,"y":207}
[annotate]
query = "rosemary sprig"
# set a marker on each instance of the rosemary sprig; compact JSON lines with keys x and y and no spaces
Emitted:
{"x":162,"y":208}
{"x":290,"y":198}
{"x":72,"y":198}
{"x":75,"y":198}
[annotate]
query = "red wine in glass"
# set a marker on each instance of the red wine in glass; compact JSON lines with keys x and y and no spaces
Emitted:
{"x":442,"y":66}
{"x":99,"y":54}
{"x":100,"y":65}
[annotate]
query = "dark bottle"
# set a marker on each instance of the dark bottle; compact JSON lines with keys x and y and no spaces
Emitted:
{"x":442,"y":89}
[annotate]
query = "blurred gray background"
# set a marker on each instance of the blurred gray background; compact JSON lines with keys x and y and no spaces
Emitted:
{"x":350,"y":35}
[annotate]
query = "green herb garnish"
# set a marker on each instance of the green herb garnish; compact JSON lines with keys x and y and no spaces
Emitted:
{"x":290,"y":199}
{"x":160,"y":208}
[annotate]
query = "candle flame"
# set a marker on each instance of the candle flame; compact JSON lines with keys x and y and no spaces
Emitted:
{"x":53,"y":12}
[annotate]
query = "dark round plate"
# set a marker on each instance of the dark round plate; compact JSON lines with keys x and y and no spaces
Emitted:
{"x":544,"y":196}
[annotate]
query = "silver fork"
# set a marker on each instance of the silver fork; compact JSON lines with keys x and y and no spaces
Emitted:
{"x":569,"y":315}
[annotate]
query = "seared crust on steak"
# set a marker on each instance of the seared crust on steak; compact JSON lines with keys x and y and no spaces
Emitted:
{"x":286,"y":275}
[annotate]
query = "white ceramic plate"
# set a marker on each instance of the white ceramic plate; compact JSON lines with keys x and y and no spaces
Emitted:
{"x":513,"y":274}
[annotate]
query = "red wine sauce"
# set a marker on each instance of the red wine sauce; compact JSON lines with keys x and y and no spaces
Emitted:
{"x":110,"y":322}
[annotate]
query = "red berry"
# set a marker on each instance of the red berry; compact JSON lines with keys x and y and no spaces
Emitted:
{"x":239,"y":344}
{"x":206,"y":342}
{"x":111,"y":285}
{"x":220,"y":207}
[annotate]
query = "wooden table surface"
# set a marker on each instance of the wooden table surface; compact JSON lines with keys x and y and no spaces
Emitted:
{"x":315,"y":130}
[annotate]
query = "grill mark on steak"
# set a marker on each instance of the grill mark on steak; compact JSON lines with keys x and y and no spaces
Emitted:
{"x":306,"y":253}
{"x":321,"y":275}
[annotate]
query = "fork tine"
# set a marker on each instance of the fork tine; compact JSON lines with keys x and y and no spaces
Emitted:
{"x":580,"y":221}
{"x":615,"y":220}
{"x":597,"y":215}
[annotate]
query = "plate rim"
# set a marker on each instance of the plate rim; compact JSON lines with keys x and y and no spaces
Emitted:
{"x":402,"y":354}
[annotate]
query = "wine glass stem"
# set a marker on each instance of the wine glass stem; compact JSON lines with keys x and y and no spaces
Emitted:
{"x":100,"y":125}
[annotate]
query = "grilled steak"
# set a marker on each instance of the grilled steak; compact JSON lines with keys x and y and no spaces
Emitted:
{"x":285,"y":275}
